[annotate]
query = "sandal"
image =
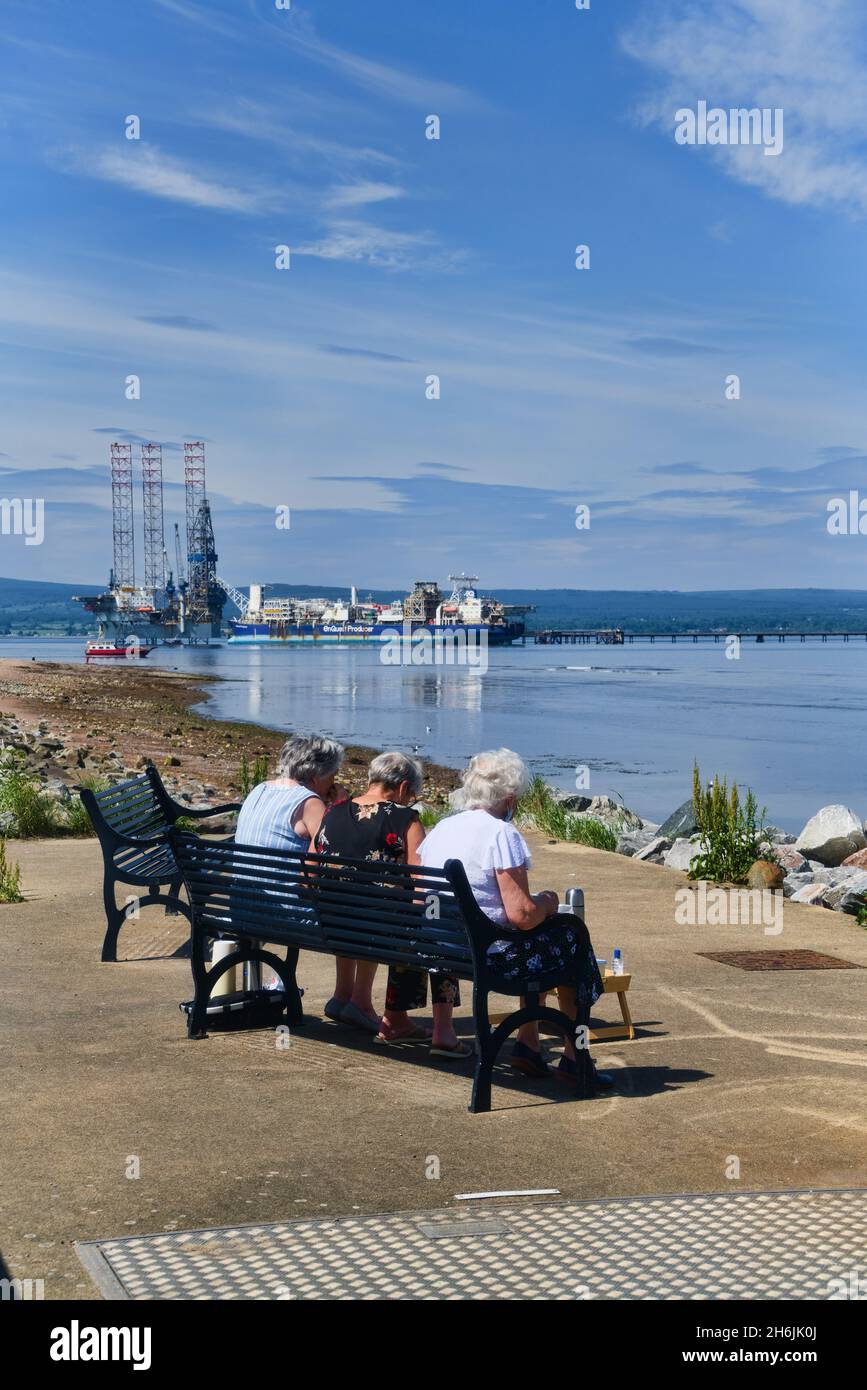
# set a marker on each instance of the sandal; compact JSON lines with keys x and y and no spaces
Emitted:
{"x":453,"y":1054}
{"x":417,"y":1033}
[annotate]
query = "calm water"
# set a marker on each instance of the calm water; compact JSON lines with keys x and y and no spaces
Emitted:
{"x":787,"y":720}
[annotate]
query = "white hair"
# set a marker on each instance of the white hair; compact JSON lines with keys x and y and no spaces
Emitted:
{"x":489,"y":779}
{"x":307,"y":756}
{"x":390,"y":769}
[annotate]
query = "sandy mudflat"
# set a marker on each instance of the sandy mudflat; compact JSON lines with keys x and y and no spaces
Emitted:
{"x":140,"y":713}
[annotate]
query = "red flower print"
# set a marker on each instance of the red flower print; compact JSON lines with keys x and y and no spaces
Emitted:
{"x":392,"y":840}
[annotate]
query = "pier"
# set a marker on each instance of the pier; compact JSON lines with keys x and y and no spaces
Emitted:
{"x":617,"y":637}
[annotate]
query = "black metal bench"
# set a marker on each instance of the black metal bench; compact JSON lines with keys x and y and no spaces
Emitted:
{"x":420,"y":917}
{"x":132,"y":821}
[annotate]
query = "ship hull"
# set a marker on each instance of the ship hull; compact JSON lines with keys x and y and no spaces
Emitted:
{"x":331,"y":634}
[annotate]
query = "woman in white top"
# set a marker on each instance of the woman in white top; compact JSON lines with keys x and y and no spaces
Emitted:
{"x":496,"y":859}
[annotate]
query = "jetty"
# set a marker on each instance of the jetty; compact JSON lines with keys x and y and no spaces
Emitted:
{"x":617,"y":637}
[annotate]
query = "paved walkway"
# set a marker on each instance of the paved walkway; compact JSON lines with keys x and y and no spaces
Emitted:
{"x":756,"y":1073}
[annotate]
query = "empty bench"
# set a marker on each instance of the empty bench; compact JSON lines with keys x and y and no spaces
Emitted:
{"x":392,"y":913}
{"x":132,"y":821}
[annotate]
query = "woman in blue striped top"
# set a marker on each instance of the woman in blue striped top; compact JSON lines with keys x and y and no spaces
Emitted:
{"x":286,"y":812}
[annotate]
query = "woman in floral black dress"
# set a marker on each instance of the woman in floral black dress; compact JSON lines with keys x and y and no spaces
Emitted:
{"x":381,"y":825}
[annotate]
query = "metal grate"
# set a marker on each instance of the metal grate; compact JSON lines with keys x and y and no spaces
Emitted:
{"x":779,"y":960}
{"x":737,"y":1245}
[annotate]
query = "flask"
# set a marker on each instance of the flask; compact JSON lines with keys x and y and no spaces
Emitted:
{"x":617,"y":961}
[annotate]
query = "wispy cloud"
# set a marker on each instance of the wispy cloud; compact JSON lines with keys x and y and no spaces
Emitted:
{"x":178,"y":321}
{"x":200,"y":16}
{"x":391,"y":250}
{"x":669,"y":347}
{"x":806,"y":58}
{"x":338,"y":351}
{"x":400,"y":84}
{"x":254,"y":120}
{"x":149,"y":170}
{"x":353,"y":195}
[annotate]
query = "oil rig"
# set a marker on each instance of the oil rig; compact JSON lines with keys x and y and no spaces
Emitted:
{"x":169,"y":605}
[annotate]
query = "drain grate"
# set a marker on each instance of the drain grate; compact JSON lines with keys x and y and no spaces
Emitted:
{"x":740,"y":1245}
{"x":779,"y":960}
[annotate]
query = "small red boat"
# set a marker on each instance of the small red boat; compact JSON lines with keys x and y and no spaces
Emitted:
{"x":130,"y":649}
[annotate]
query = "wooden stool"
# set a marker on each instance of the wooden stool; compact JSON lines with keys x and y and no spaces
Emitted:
{"x":615,"y":984}
{"x":604,"y":1032}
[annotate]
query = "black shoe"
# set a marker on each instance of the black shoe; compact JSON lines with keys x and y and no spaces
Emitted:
{"x":528,"y":1062}
{"x":598,"y":1082}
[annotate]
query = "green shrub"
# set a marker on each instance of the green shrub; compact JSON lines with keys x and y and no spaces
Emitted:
{"x":541,"y":810}
{"x":36,"y":814}
{"x":10,"y":879}
{"x":189,"y":824}
{"x":75,"y":820}
{"x":731,"y":831}
{"x":430,"y":816}
{"x":250,"y":776}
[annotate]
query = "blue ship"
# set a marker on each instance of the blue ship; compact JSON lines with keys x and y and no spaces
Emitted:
{"x":464,"y":617}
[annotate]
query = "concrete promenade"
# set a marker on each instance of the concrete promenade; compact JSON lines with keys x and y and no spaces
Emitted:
{"x":768,"y":1067}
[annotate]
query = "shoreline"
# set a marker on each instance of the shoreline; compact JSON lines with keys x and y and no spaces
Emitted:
{"x":110,"y":721}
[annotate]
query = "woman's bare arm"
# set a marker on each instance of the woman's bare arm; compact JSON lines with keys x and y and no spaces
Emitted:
{"x":414,"y":837}
{"x":310,"y":819}
{"x":523,"y":909}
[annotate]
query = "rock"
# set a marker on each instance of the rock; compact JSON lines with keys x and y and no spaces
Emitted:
{"x":850,"y":895}
{"x":681,"y":854}
{"x":811,"y":893}
{"x":655,"y":850}
{"x":57,"y":790}
{"x":171,"y":761}
{"x":858,"y":860}
{"x":791,"y":859}
{"x":832,"y":835}
{"x":778,"y":836}
{"x":649,"y":825}
{"x":632,"y":841}
{"x":792,"y":882}
{"x":680,"y":823}
{"x":832,"y":877}
{"x":611,"y":813}
{"x":8,"y":824}
{"x":764,"y":874}
{"x":567,"y":800}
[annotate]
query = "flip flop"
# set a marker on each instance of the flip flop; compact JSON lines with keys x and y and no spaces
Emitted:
{"x":418,"y":1033}
{"x":452,"y":1054}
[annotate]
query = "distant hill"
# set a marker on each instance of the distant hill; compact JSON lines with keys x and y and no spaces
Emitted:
{"x":33,"y":607}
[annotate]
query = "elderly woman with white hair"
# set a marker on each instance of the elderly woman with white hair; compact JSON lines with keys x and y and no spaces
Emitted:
{"x":496,"y":859}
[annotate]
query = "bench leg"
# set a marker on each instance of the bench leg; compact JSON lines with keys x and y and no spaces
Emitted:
{"x":489,"y":1041}
{"x":294,"y":1010}
{"x":198,"y":1017}
{"x":174,"y":890}
{"x":486,"y":1055}
{"x":114,"y":916}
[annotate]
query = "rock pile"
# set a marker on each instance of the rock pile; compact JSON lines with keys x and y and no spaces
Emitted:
{"x":825,"y":865}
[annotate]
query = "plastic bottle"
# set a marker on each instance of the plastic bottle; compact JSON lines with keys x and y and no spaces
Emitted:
{"x":617,"y":961}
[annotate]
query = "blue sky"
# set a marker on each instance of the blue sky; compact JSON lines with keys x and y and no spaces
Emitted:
{"x":412,"y":257}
